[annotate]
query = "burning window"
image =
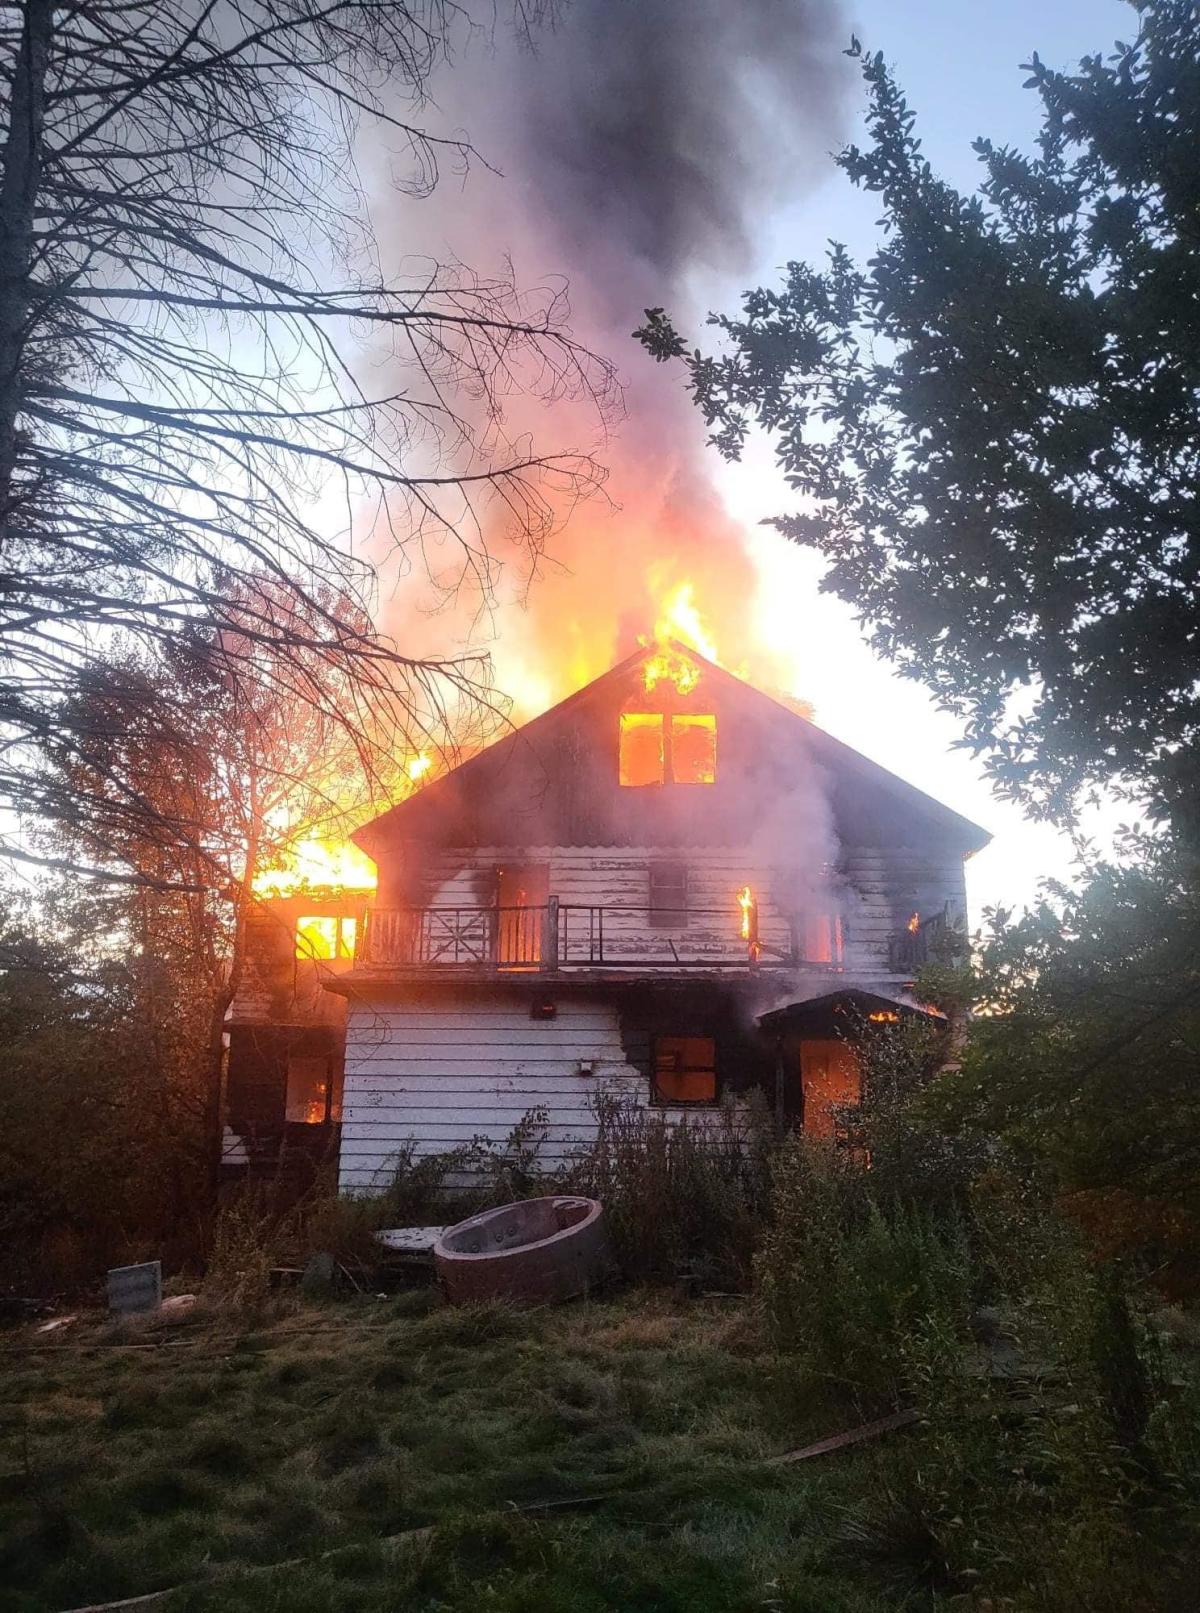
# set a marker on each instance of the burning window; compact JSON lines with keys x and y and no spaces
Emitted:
{"x":326,"y":936}
{"x":685,"y":1069}
{"x":309,"y":1090}
{"x":821,"y":937}
{"x":694,"y":749}
{"x":668,"y":894}
{"x":641,"y":747}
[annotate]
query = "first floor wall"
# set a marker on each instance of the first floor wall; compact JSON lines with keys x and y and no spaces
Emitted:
{"x":433,"y":1071}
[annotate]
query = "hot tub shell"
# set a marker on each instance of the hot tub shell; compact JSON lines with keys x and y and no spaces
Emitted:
{"x":531,"y":1252}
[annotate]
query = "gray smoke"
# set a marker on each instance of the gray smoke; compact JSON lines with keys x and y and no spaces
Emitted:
{"x":641,"y":148}
{"x":658,"y":131}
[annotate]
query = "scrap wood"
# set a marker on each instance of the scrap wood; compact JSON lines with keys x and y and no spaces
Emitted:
{"x":852,"y":1436}
{"x":388,"y":1544}
{"x":412,"y":1537}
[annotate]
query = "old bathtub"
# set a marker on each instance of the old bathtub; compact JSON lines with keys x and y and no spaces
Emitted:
{"x":532,"y":1251}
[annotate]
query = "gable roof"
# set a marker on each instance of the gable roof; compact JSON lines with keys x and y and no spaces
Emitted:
{"x":553,"y":781}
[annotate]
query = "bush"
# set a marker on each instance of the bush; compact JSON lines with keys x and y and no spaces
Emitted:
{"x":853,"y":1286}
{"x":682,"y":1197}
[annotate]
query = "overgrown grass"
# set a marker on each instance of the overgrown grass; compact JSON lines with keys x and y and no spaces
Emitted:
{"x":142,"y":1457}
{"x":150,"y":1455}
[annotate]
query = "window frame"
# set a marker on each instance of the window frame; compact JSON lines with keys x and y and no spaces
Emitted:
{"x":341,"y":923}
{"x":662,"y":916}
{"x":663,"y":730}
{"x":704,"y":721}
{"x":657,"y":1099}
{"x":325,"y":1059}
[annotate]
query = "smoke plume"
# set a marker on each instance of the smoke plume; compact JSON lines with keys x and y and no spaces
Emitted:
{"x":640,"y":148}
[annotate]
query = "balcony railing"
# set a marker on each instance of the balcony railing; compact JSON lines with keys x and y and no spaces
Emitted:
{"x":561,"y":935}
{"x":934,"y":938}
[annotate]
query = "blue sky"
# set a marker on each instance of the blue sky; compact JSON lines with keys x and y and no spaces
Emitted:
{"x":959,"y":66}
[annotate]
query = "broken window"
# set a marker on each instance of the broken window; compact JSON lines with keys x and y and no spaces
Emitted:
{"x":668,"y":894}
{"x":326,"y":936}
{"x":641,"y":759}
{"x":694,"y":749}
{"x":685,"y":1069}
{"x":308,"y":1089}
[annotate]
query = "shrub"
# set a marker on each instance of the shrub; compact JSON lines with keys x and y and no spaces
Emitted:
{"x":863,"y":1292}
{"x":683,"y":1197}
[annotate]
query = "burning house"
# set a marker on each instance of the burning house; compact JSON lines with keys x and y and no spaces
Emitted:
{"x":668,"y":885}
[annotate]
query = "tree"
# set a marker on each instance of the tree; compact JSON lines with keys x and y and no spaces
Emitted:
{"x":994,"y":427}
{"x":1084,"y":1060}
{"x":186,"y":274}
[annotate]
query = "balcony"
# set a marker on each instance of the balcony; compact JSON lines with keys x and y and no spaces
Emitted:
{"x":565,"y":936}
{"x":936,"y":939}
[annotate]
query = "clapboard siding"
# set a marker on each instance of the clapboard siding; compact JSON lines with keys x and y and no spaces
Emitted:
{"x":438,"y":1074}
{"x":875,"y":889}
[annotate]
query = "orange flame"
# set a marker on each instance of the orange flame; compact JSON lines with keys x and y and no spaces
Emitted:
{"x":322,"y":862}
{"x":316,"y":864}
{"x":666,"y":666}
{"x":746,"y":903}
{"x":884,"y":1017}
{"x":914,"y":924}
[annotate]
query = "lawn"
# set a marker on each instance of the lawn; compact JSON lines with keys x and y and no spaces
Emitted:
{"x":138,"y":1458}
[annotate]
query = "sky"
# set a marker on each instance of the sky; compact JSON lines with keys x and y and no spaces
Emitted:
{"x":959,"y":65}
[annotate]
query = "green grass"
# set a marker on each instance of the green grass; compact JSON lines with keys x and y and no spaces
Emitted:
{"x":331,"y":1426}
{"x":321,"y":1431}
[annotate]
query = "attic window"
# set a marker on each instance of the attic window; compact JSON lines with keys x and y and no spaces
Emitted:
{"x":653,"y":749}
{"x":694,"y":749}
{"x":641,"y":759}
{"x":685,"y":1069}
{"x":325,"y":936}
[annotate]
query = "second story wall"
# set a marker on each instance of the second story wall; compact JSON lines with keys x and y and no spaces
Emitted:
{"x":620,"y":904}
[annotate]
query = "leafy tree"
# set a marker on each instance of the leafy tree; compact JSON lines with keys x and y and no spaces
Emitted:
{"x":188,"y":281}
{"x":1083,"y":1058}
{"x":994,"y":426}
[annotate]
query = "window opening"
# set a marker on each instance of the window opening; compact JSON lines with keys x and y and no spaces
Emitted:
{"x":694,"y":749}
{"x":522,"y":892}
{"x":308,"y":1089}
{"x":641,"y":748}
{"x":668,"y":895}
{"x":326,"y":936}
{"x":685,"y":1069}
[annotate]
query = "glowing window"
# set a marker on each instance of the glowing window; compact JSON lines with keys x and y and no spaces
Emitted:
{"x":307,"y":1090}
{"x":821,"y":937}
{"x":325,"y":936}
{"x":685,"y":1069}
{"x":641,"y":747}
{"x":694,"y":750}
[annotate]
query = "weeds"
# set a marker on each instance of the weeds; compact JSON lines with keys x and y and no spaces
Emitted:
{"x":682,"y":1198}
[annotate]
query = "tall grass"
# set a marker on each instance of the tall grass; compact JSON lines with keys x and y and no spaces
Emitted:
{"x":684,"y":1197}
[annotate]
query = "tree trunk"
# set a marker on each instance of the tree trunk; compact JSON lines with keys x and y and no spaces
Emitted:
{"x":19,"y":181}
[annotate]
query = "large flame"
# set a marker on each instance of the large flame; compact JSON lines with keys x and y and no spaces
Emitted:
{"x":679,"y":618}
{"x":333,"y":863}
{"x":316,"y":864}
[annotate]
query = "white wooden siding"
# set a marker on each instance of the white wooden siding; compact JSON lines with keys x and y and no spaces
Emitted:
{"x":441,"y":1072}
{"x":876,"y":890}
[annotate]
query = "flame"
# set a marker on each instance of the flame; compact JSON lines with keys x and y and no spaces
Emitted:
{"x":417,"y":766}
{"x":746,"y":903}
{"x":667,"y":666}
{"x":316,"y":864}
{"x":884,"y":1017}
{"x":679,"y":618}
{"x":914,"y":924}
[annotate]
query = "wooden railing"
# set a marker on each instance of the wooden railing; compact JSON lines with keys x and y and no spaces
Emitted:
{"x":561,"y":935}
